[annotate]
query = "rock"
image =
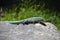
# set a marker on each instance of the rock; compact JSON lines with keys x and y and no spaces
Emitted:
{"x":28,"y":32}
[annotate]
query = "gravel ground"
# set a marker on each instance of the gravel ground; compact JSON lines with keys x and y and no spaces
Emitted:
{"x":28,"y":32}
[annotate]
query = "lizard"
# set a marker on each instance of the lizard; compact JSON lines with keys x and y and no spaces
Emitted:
{"x":27,"y":21}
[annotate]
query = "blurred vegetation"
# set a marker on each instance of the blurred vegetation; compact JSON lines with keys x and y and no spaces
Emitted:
{"x":21,"y":9}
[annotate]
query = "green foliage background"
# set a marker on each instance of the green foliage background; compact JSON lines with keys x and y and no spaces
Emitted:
{"x":29,"y":8}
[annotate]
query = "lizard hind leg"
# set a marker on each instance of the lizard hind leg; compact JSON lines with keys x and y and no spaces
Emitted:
{"x":43,"y":23}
